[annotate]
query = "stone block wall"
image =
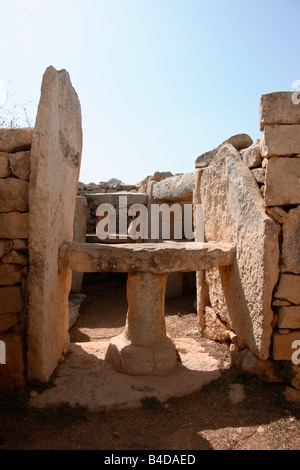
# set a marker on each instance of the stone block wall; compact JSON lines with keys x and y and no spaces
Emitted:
{"x":280,"y":148}
{"x":15,"y":147}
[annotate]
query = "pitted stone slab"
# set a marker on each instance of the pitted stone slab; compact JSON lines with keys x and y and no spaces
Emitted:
{"x":146,"y":257}
{"x":55,"y":157}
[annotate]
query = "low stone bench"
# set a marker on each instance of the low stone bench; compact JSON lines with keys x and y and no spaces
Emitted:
{"x":144,"y":347}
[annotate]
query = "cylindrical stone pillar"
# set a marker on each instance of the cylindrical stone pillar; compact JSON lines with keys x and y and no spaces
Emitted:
{"x":144,"y":347}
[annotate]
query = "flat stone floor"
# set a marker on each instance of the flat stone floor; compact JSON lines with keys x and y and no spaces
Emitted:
{"x":85,"y":378}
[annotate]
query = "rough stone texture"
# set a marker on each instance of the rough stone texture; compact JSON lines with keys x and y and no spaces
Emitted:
{"x":5,"y":247}
{"x":259,"y":174}
{"x":290,"y":252}
{"x":251,"y":156}
{"x":20,"y":165}
{"x":144,"y":347}
{"x":75,"y":301}
{"x":10,"y":274}
{"x":13,"y":195}
{"x":14,"y":225}
{"x":239,"y":142}
{"x":282,"y":182}
{"x":214,"y":328}
{"x":55,"y":165}
{"x":282,"y":345}
{"x":12,"y":373}
{"x":289,"y":317}
{"x":79,"y":235}
{"x":4,"y":165}
{"x":15,"y":140}
{"x":278,"y":108}
{"x":8,"y":320}
{"x":292,"y":395}
{"x":86,"y":378}
{"x":11,"y":300}
{"x":289,"y":288}
{"x":175,"y":188}
{"x":241,"y":294}
{"x":278,"y":214}
{"x":94,"y":200}
{"x":157,"y":258}
{"x":277,"y":141}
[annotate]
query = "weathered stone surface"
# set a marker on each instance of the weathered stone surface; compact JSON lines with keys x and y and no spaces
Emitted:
{"x":55,"y":165}
{"x":12,"y":373}
{"x":214,"y":328}
{"x":278,"y":214}
{"x":289,"y":288}
{"x":13,"y":195}
{"x":290,"y":252}
{"x":277,"y":141}
{"x":5,"y":247}
{"x":94,"y":200}
{"x":14,"y":225}
{"x":8,"y":320}
{"x":15,"y":140}
{"x":278,"y":108}
{"x":14,"y":257}
{"x":156,"y":258}
{"x":144,"y":347}
{"x":259,"y":174}
{"x":175,"y":188}
{"x":239,"y":142}
{"x":282,"y":182}
{"x":289,"y":317}
{"x":251,"y":156}
{"x":241,"y":294}
{"x":10,"y":274}
{"x":79,"y":235}
{"x":282,"y":345}
{"x":11,"y":300}
{"x":20,"y":165}
{"x":292,"y":395}
{"x":4,"y":165}
{"x":20,"y":245}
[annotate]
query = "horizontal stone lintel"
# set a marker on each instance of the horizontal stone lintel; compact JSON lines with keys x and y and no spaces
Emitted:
{"x":145,"y":257}
{"x":95,"y":200}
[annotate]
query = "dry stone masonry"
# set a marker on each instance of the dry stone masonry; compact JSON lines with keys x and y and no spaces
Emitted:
{"x":247,"y":270}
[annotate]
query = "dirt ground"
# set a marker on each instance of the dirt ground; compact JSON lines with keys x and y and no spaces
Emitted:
{"x":261,"y":419}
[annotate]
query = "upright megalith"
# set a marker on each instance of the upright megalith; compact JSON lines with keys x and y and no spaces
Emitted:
{"x":55,"y":162}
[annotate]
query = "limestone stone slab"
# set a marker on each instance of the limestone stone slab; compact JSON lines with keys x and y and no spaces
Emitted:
{"x":4,"y":165}
{"x":289,"y":317}
{"x":13,"y":195}
{"x":11,"y":300}
{"x":14,"y":225}
{"x":259,"y":174}
{"x":290,"y":252}
{"x":20,"y":165}
{"x":94,"y":200}
{"x":282,"y":185}
{"x":278,"y":108}
{"x":282,"y":345}
{"x":175,"y":188}
{"x":8,"y":320}
{"x":251,"y":156}
{"x":146,"y":257}
{"x":55,"y":165}
{"x":15,"y":140}
{"x":239,"y":142}
{"x":278,"y":141}
{"x":10,"y":274}
{"x":241,"y":294}
{"x":289,"y":288}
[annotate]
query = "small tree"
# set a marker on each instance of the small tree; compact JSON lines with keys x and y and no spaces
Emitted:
{"x":19,"y":108}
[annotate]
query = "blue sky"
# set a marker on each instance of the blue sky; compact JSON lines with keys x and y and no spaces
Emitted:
{"x":159,"y":81}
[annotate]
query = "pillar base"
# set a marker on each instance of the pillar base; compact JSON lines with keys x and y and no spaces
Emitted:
{"x":157,"y":359}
